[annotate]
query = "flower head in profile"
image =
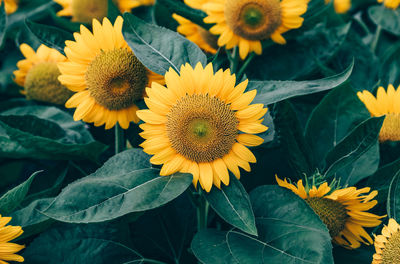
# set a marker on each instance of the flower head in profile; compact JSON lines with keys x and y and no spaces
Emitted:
{"x":392,"y":4}
{"x":8,"y":233}
{"x":10,"y":5}
{"x":105,"y":74}
{"x":245,"y":23}
{"x":385,"y":104}
{"x":86,"y":10}
{"x":201,"y":124}
{"x":387,"y":245}
{"x":38,"y":74}
{"x":343,"y":211}
{"x":341,"y":6}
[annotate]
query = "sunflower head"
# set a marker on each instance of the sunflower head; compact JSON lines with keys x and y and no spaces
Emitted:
{"x":38,"y":74}
{"x":387,"y":245}
{"x":245,"y":23}
{"x":8,"y":233}
{"x":105,"y":74}
{"x":385,"y":104}
{"x":201,"y":124}
{"x":392,"y":4}
{"x":342,"y":210}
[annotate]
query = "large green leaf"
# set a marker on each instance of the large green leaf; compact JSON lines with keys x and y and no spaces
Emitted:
{"x":11,"y":199}
{"x":288,"y":232}
{"x":210,"y":247}
{"x":159,"y":48}
{"x":50,"y":36}
{"x":232,"y":204}
{"x":386,"y":18}
{"x":269,"y":92}
{"x":33,"y":9}
{"x":382,"y":178}
{"x":354,"y":145}
{"x":393,"y":201}
{"x":3,"y":22}
{"x":125,"y":184}
{"x":292,"y":140}
{"x":42,"y":132}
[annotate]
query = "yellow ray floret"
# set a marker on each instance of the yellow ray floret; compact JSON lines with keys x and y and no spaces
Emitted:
{"x":105,"y":74}
{"x":38,"y":74}
{"x":201,"y":123}
{"x":392,"y":4}
{"x":245,"y":23}
{"x":387,"y":245}
{"x":343,"y":211}
{"x":7,"y":233}
{"x":385,"y":104}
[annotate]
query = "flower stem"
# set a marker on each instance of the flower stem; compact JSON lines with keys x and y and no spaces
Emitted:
{"x":234,"y":59}
{"x":202,"y":213}
{"x":244,"y":66}
{"x":120,"y":141}
{"x":375,"y":41}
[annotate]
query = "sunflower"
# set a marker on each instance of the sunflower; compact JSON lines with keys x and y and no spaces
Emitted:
{"x":8,"y":233}
{"x":10,"y":6}
{"x":85,"y":10}
{"x":387,"y":245}
{"x":393,"y":4}
{"x":194,"y":125}
{"x":106,"y":75}
{"x":38,"y":74}
{"x":343,"y":211}
{"x":385,"y":104}
{"x":245,"y":23}
{"x":341,"y":6}
{"x":196,"y":34}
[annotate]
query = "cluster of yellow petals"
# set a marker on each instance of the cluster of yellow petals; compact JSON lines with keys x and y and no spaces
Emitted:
{"x":7,"y":233}
{"x":10,"y":5}
{"x":387,"y":245}
{"x":392,"y":4}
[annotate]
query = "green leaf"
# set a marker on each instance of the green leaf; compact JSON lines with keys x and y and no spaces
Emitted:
{"x":361,"y":255}
{"x":30,"y":218}
{"x":269,"y":92}
{"x":387,"y":18}
{"x":11,"y":199}
{"x":148,"y":42}
{"x":393,"y":201}
{"x":3,"y":22}
{"x":292,"y":140}
{"x":232,"y":204}
{"x":45,"y":133}
{"x":79,"y":244}
{"x":210,"y":247}
{"x":354,"y":145}
{"x":34,"y":9}
{"x":112,"y":11}
{"x":50,"y":36}
{"x":382,"y":178}
{"x":125,"y":184}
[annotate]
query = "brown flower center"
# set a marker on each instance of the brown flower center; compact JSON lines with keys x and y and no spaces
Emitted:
{"x":116,"y":79}
{"x":202,"y":128}
{"x":391,"y":252}
{"x":41,"y":84}
{"x":253,"y":19}
{"x":331,"y":212}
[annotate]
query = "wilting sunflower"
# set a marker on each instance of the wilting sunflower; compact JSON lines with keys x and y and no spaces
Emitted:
{"x":85,"y":10}
{"x":106,"y":75}
{"x":38,"y":74}
{"x":8,"y":233}
{"x":204,"y":39}
{"x":10,"y":5}
{"x":245,"y":23}
{"x":385,"y":104}
{"x":387,"y":245}
{"x":341,"y":6}
{"x":343,"y":211}
{"x":200,"y":124}
{"x":393,"y":4}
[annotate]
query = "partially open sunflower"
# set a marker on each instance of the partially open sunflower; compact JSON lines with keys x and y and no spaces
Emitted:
{"x":341,"y":6}
{"x":392,"y":4}
{"x":245,"y":23}
{"x":343,"y":211}
{"x":105,"y":74}
{"x":201,"y":124}
{"x":10,"y":6}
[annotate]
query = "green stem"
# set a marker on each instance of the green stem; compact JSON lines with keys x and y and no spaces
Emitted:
{"x":375,"y":41}
{"x":120,"y":142}
{"x":202,"y":213}
{"x":245,"y":65}
{"x":234,"y":59}
{"x":76,"y":166}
